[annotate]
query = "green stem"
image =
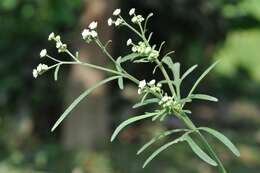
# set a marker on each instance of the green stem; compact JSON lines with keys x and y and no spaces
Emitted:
{"x":165,"y":74}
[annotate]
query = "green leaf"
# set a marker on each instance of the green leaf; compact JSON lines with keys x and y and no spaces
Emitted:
{"x":130,"y":121}
{"x":56,"y":72}
{"x":199,"y":152}
{"x":176,"y":71}
{"x":168,"y":61}
{"x":159,"y":150}
{"x":129,"y":57}
{"x":191,"y":69}
{"x":79,"y":99}
{"x":146,"y":102}
{"x":222,"y":138}
{"x":119,"y":69}
{"x":156,"y":138}
{"x":203,"y":97}
{"x":202,"y":76}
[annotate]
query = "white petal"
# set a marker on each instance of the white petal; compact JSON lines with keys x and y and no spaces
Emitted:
{"x":117,"y":12}
{"x":43,"y":53}
{"x":110,"y":22}
{"x":93,"y":25}
{"x":132,"y":12}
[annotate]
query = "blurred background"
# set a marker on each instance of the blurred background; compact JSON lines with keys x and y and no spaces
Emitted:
{"x":200,"y":31}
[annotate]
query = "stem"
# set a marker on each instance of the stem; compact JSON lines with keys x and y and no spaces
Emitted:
{"x":165,"y":74}
{"x":72,"y":56}
{"x":190,"y":125}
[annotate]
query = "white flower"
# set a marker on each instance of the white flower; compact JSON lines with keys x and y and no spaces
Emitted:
{"x":165,"y":98}
{"x":94,"y":34}
{"x":117,"y":12}
{"x":134,"y":19}
{"x":93,"y":25}
{"x":44,"y":67}
{"x":57,"y":38}
{"x":134,"y":49}
{"x":35,"y":73}
{"x":142,"y":84}
{"x":51,"y":36}
{"x":58,"y":44}
{"x":110,"y":22}
{"x":129,"y":42}
{"x":139,"y":91}
{"x":159,"y":85}
{"x":118,"y":21}
{"x":132,"y":12}
{"x":147,"y":50}
{"x":152,"y":82}
{"x":85,"y":33}
{"x":43,"y":53}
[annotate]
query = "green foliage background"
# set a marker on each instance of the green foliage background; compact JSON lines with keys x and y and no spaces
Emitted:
{"x":200,"y":32}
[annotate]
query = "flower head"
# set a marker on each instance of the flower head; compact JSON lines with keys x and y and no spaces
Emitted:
{"x":132,"y":11}
{"x":129,"y":42}
{"x":35,"y":73}
{"x":152,"y":82}
{"x":110,"y":22}
{"x":117,"y":12}
{"x":43,"y":53}
{"x":51,"y":36}
{"x":93,"y":25}
{"x":142,"y":84}
{"x":118,"y":22}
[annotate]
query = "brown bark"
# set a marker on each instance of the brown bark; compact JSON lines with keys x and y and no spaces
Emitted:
{"x":87,"y":126}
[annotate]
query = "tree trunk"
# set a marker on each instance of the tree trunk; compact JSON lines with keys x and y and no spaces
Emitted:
{"x":88,"y":125}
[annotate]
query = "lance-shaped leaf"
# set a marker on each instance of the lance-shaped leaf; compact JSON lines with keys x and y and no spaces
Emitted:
{"x":191,"y":69}
{"x":156,"y":138}
{"x":203,"y":97}
{"x":120,"y":70}
{"x":130,"y":121}
{"x":146,"y":102}
{"x":56,"y":72}
{"x":202,"y":76}
{"x":79,"y":99}
{"x":129,"y":57}
{"x":199,"y":152}
{"x":222,"y":138}
{"x":162,"y":148}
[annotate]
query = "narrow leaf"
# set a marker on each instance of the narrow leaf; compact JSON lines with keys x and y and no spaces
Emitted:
{"x":56,"y":72}
{"x":199,"y":152}
{"x":176,"y":71}
{"x":191,"y":69}
{"x":130,"y":121}
{"x":159,"y":150}
{"x":129,"y":57}
{"x":119,"y":69}
{"x":168,"y":61}
{"x":79,"y":99}
{"x":146,"y":102}
{"x":202,"y":76}
{"x":203,"y":97}
{"x":156,"y":138}
{"x":223,"y":139}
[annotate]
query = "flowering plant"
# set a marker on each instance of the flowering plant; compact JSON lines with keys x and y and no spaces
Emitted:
{"x":152,"y":92}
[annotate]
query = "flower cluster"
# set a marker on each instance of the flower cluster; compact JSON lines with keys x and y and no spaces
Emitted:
{"x":137,"y":19}
{"x":149,"y":87}
{"x":90,"y":34}
{"x":59,"y":45}
{"x":41,"y":68}
{"x":118,"y":21}
{"x":144,"y":50}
